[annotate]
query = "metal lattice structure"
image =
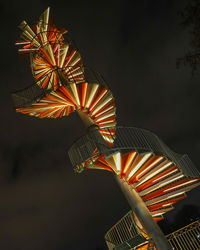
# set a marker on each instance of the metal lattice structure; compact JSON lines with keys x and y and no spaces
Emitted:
{"x":160,"y":176}
{"x":62,"y":83}
{"x":151,"y":175}
{"x":126,"y":234}
{"x":187,"y":238}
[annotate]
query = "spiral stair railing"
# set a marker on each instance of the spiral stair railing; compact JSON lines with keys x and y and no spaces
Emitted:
{"x":152,"y":176}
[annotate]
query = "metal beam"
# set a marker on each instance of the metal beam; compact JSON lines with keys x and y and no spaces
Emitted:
{"x":141,"y":211}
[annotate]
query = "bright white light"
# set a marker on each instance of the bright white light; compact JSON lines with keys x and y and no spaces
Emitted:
{"x":155,"y":173}
{"x":118,"y":161}
{"x":102,"y":123}
{"x":176,"y":178}
{"x":74,"y":69}
{"x":129,"y":162}
{"x":76,"y":74}
{"x":150,"y":203}
{"x":98,"y":99}
{"x":101,"y":106}
{"x":140,"y":163}
{"x":77,"y":60}
{"x":75,"y":92}
{"x":46,"y":70}
{"x":165,"y":175}
{"x":22,"y":42}
{"x":174,"y":195}
{"x":69,"y":59}
{"x":104,"y":111}
{"x":166,"y":205}
{"x":161,"y":185}
{"x":150,"y":166}
{"x":63,"y":54}
{"x":180,"y":185}
{"x":107,"y":139}
{"x":106,"y":116}
{"x":92,"y":94}
{"x":158,"y":214}
{"x":27,"y":49}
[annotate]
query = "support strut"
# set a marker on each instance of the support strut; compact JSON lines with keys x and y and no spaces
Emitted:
{"x":141,"y":211}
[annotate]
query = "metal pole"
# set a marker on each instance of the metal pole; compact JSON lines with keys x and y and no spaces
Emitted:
{"x":139,"y":208}
{"x":85,"y":118}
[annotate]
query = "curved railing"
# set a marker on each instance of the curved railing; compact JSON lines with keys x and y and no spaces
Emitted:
{"x":92,"y":144}
{"x":34,"y":93}
{"x":125,"y":234}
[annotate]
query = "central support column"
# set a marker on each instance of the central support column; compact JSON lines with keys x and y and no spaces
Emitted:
{"x":139,"y":208}
{"x":135,"y":201}
{"x":85,"y":119}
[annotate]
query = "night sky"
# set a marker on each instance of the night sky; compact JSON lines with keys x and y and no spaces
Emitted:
{"x":134,"y":45}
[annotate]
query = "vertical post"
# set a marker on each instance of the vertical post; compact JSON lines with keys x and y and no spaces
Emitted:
{"x":85,"y":119}
{"x":139,"y":208}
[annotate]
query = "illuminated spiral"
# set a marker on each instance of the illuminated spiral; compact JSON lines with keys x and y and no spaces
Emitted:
{"x":93,"y":99}
{"x":159,"y":181}
{"x":49,"y":52}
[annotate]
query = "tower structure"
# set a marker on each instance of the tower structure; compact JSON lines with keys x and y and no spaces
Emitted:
{"x":151,"y":176}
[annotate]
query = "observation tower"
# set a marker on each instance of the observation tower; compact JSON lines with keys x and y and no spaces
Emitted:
{"x":151,"y":176}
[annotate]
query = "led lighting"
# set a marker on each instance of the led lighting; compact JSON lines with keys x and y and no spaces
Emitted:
{"x":163,"y":176}
{"x":20,"y":50}
{"x":101,"y":106}
{"x":107,"y":132}
{"x":152,"y":189}
{"x":140,"y":163}
{"x":75,"y":92}
{"x":84,"y":93}
{"x":106,"y":116}
{"x":107,"y":139}
{"x":104,"y":111}
{"x":117,"y":158}
{"x":22,"y":42}
{"x":74,"y":69}
{"x":174,"y":195}
{"x":92,"y":94}
{"x":108,"y":125}
{"x":63,"y":54}
{"x":102,"y":123}
{"x":158,"y":214}
{"x":180,"y":185}
{"x":155,"y":173}
{"x":66,"y":64}
{"x":75,"y":62}
{"x":131,"y":157}
{"x":176,"y":178}
{"x":150,"y":203}
{"x":98,"y":99}
{"x":150,"y":166}
{"x":77,"y":74}
{"x":46,"y":70}
{"x":166,"y":205}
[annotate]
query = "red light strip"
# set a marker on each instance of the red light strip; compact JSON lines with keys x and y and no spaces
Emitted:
{"x":129,"y":161}
{"x":98,"y":99}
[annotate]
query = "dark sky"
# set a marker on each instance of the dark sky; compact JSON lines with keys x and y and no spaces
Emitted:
{"x":134,"y":45}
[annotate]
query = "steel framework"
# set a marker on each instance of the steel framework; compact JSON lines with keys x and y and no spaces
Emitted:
{"x":151,"y":175}
{"x":126,"y":234}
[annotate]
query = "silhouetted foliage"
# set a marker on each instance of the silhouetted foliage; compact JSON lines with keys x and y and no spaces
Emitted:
{"x":191,"y":19}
